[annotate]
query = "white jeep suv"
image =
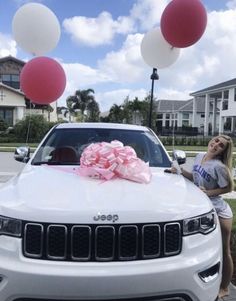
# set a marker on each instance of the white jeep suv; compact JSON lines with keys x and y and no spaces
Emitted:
{"x":68,"y":237}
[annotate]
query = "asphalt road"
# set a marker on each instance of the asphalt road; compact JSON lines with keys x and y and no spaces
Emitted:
{"x":8,"y":166}
{"x":8,"y":163}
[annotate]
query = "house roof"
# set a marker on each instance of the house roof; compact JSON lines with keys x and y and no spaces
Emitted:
{"x":170,"y":106}
{"x":11,"y":89}
{"x":216,"y":88}
{"x":165,"y":105}
{"x":11,"y":58}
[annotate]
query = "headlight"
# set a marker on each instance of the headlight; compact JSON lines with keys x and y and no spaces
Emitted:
{"x":10,"y":226}
{"x":200,"y":224}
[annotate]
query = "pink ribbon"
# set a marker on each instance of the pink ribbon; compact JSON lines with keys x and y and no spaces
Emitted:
{"x":105,"y":161}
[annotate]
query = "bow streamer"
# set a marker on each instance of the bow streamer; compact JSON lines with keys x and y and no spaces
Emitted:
{"x":106,"y":161}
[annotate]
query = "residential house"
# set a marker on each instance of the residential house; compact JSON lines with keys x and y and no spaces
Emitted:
{"x":178,"y":114}
{"x":13,"y":104}
{"x":222,"y":97}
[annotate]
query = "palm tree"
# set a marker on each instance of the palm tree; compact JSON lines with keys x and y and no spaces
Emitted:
{"x":82,"y":100}
{"x":49,"y":109}
{"x":70,"y":102}
{"x":134,"y":108}
{"x":145,"y":111}
{"x":93,"y":111}
{"x":116,"y":113}
{"x":62,"y":110}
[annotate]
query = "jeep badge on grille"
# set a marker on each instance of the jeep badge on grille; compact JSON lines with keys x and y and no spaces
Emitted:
{"x":109,"y":217}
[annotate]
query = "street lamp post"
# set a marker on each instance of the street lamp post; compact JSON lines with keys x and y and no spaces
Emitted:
{"x":154,"y":76}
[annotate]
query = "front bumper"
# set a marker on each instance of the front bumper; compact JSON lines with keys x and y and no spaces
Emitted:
{"x":29,"y":278}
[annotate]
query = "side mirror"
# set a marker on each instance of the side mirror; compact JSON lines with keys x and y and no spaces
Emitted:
{"x":22,"y":154}
{"x":179,"y":156}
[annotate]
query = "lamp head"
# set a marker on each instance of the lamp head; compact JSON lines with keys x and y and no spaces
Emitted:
{"x":154,"y":75}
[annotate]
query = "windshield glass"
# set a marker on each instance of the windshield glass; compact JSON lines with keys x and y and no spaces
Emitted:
{"x":65,"y":146}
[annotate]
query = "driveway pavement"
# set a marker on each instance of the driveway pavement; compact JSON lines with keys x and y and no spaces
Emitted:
{"x":232,"y":295}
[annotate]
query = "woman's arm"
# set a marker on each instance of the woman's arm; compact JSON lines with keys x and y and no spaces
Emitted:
{"x":184,"y":172}
{"x":187,"y":174}
{"x":217,"y":191}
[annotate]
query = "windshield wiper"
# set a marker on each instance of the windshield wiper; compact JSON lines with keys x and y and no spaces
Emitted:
{"x":54,"y":163}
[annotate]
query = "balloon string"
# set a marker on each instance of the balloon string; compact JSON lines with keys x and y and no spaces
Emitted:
{"x":28,"y":129}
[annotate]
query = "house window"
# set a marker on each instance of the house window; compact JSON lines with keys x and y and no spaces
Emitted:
{"x":234,"y":94}
{"x":202,"y":115}
{"x":227,"y":124}
{"x":12,"y":80}
{"x":174,"y":120}
{"x":6,"y":114}
{"x":226,"y":94}
{"x":185,"y":119}
{"x":225,"y":101}
{"x":185,"y":122}
{"x":167,"y":124}
{"x":185,"y":115}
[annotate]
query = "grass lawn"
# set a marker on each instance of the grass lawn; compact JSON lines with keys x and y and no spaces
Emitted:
{"x":10,"y":147}
{"x":190,"y":148}
{"x":17,"y":144}
{"x":187,"y":148}
{"x":232,"y":203}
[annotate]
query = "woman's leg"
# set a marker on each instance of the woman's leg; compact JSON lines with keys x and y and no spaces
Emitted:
{"x":227,"y":272}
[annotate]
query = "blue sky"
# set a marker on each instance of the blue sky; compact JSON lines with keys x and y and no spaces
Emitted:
{"x":99,"y":48}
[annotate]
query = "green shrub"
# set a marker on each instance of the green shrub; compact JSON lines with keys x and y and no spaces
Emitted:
{"x":31,"y":128}
{"x":3,"y":125}
{"x":185,"y":140}
{"x":9,"y":138}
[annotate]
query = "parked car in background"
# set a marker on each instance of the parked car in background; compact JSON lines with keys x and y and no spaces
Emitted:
{"x":69,"y":237}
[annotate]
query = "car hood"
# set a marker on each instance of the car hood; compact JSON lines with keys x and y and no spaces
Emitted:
{"x":47,"y":194}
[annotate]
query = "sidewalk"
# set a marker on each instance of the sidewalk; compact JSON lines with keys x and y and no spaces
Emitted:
{"x":232,"y":294}
{"x":230,"y":195}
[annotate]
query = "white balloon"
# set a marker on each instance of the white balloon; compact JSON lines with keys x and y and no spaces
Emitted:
{"x":36,"y":28}
{"x":156,"y":51}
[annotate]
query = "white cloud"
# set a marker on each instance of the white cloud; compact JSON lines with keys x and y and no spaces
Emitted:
{"x":170,"y":93}
{"x":107,"y":99}
{"x":103,"y":29}
{"x":7,"y":46}
{"x":124,"y":65}
{"x":96,"y":31}
{"x":148,"y":12}
{"x":79,"y":77}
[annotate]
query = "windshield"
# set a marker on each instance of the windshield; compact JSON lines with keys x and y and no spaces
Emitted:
{"x":65,"y":146}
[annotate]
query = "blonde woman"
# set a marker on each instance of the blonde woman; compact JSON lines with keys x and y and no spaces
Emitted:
{"x":212,"y":174}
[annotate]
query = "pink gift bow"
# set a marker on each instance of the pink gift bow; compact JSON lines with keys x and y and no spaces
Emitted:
{"x":105,"y":161}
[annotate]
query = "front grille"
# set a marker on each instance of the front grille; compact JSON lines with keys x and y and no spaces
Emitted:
{"x":117,"y":242}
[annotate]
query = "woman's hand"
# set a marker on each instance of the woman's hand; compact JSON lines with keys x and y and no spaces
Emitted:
{"x":174,"y":170}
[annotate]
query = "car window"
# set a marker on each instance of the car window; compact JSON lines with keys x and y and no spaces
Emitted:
{"x":65,"y":146}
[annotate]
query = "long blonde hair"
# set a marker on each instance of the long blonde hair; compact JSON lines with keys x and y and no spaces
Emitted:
{"x":226,"y":157}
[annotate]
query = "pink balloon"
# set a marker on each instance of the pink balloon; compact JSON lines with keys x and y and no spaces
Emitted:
{"x":183,"y":22}
{"x":43,"y":80}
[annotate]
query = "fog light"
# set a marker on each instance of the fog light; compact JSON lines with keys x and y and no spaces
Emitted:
{"x":210,"y":274}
